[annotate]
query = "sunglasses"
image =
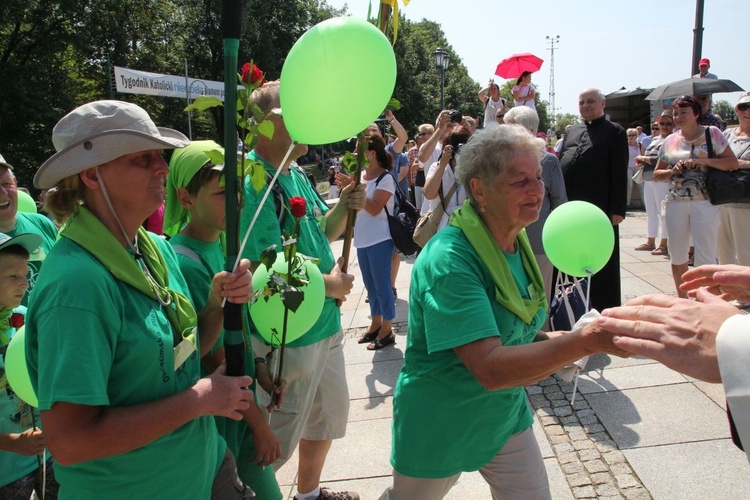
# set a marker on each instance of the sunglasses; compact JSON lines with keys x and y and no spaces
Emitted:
{"x":423,"y":133}
{"x":632,"y":135}
{"x":686,"y":98}
{"x":666,"y":124}
{"x":744,"y":106}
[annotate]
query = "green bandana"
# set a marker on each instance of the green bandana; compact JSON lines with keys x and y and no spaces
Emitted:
{"x":185,"y":163}
{"x":88,"y":232}
{"x":5,"y":314}
{"x":506,"y":292}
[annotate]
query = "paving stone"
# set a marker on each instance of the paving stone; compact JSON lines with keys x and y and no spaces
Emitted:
{"x":577,"y":434}
{"x":549,"y":420}
{"x":602,"y":478}
{"x":620,"y":469}
{"x":579,"y":479}
{"x":570,"y":420}
{"x":566,"y":458}
{"x":533,"y":389}
{"x":604,"y":445}
{"x":637,"y":494}
{"x":585,"y":492}
{"x":573,"y":468}
{"x":547,"y":381}
{"x":563,"y":411}
{"x":587,"y":455}
{"x":562,"y":438}
{"x":626,"y":481}
{"x":593,"y":466}
{"x":607,"y":490}
{"x":594,"y":428}
{"x":583,"y":444}
{"x":563,"y":448}
{"x":614,"y":457}
{"x":554,"y":430}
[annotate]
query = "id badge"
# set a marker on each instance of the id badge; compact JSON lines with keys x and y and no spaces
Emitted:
{"x":182,"y":352}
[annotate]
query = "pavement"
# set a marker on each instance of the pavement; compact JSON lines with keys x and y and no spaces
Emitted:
{"x":637,"y":430}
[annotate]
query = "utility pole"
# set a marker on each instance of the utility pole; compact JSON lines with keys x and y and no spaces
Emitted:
{"x":552,"y":41}
{"x":697,"y":36}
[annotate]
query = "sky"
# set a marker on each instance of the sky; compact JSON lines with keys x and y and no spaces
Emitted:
{"x":603,"y":44}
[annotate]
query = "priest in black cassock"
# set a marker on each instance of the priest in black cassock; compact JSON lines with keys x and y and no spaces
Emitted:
{"x":594,"y":162}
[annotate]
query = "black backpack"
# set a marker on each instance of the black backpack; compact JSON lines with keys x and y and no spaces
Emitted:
{"x":403,"y":222}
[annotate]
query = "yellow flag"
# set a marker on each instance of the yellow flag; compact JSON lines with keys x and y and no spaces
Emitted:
{"x":394,"y":4}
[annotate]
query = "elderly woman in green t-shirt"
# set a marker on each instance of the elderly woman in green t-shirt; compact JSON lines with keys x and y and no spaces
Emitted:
{"x":476,"y":305}
{"x":111,"y":340}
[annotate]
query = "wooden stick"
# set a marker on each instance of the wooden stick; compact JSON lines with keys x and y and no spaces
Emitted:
{"x":351,"y":216}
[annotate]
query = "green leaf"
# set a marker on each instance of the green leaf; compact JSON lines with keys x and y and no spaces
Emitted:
{"x":202,"y":103}
{"x":349,"y":161}
{"x":266,"y":127}
{"x":256,"y":111}
{"x":292,"y":299}
{"x":268,"y":256}
{"x":257,"y":176}
{"x":216,"y":156}
{"x":393,"y":104}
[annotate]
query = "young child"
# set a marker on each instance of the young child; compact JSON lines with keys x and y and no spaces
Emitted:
{"x":195,"y":220}
{"x":20,"y":442}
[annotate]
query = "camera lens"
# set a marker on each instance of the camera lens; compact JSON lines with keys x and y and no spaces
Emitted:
{"x":456,"y":116}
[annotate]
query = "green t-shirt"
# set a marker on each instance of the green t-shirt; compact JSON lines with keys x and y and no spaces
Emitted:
{"x":199,"y":262}
{"x":15,"y":418}
{"x":41,"y":225}
{"x":93,"y":340}
{"x":312,"y":240}
{"x":444,"y":420}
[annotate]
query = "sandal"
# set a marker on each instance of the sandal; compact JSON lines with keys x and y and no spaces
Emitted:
{"x":369,"y":336}
{"x":660,"y":251}
{"x":646,"y":247}
{"x":378,"y":344}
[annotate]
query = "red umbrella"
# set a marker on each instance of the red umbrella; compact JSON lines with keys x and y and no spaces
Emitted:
{"x":515,"y":65}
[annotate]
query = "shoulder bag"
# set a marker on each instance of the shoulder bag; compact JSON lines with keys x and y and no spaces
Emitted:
{"x":726,"y":186}
{"x":428,"y":224}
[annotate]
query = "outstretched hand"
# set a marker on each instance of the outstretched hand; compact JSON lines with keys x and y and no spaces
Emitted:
{"x":730,"y":282}
{"x":679,"y":333}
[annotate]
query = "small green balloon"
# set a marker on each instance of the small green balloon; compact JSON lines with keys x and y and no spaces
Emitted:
{"x":269,"y":314}
{"x":578,"y":238}
{"x":16,"y":369}
{"x":336,"y":80}
{"x":26,"y":203}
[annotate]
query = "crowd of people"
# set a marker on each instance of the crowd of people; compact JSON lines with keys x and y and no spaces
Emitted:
{"x":123,"y":327}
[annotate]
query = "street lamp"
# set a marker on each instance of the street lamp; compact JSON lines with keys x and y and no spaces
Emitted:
{"x":441,"y":63}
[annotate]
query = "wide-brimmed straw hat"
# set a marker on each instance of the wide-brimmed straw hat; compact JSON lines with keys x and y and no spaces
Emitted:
{"x":29,"y":241}
{"x":99,"y":132}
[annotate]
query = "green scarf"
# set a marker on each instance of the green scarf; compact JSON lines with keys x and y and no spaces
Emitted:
{"x":506,"y":292}
{"x":88,"y":232}
{"x":185,"y":163}
{"x":5,"y":314}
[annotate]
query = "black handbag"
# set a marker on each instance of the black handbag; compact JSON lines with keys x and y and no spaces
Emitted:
{"x":726,"y":186}
{"x":402,"y":223}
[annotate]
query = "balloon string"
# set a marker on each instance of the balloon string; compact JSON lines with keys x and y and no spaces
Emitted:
{"x":260,"y":206}
{"x":588,"y":289}
{"x":42,"y":465}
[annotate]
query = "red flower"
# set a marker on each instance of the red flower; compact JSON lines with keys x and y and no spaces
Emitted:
{"x":16,"y":320}
{"x":252,"y":74}
{"x":298,"y":206}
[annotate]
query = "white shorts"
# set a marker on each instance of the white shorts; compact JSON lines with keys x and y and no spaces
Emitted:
{"x":316,"y":403}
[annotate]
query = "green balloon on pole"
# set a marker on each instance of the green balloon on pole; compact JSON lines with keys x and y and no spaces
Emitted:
{"x":26,"y":203}
{"x":16,"y":369}
{"x":336,"y":80}
{"x":578,"y":238}
{"x":268,"y":314}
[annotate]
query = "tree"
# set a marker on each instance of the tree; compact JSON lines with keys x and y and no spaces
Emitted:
{"x":563,"y":120}
{"x":726,"y":111}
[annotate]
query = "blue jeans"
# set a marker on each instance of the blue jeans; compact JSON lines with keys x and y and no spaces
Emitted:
{"x":375,"y":263}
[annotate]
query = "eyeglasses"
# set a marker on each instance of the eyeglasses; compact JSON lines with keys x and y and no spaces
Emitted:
{"x":423,"y":133}
{"x":744,"y":106}
{"x":686,"y":98}
{"x":666,"y":124}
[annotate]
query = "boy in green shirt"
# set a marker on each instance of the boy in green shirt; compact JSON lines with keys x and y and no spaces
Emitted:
{"x":195,"y":208}
{"x":21,"y":441}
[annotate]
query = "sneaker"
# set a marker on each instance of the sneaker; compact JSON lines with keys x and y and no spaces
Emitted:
{"x":326,"y":494}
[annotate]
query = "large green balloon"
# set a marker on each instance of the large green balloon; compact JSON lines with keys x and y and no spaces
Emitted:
{"x":26,"y":203}
{"x":16,"y":369}
{"x":578,"y":238}
{"x":270,"y":314}
{"x":336,"y":80}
